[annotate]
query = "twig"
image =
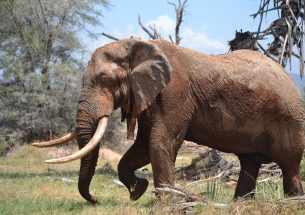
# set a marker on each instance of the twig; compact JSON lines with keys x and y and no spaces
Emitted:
{"x":171,"y":39}
{"x":257,"y":13}
{"x":297,"y":56}
{"x":220,"y":176}
{"x":118,"y":182}
{"x":193,"y":204}
{"x":174,"y":191}
{"x":177,"y":192}
{"x":295,"y":199}
{"x":266,"y":53}
{"x":110,"y":36}
{"x":153,"y":35}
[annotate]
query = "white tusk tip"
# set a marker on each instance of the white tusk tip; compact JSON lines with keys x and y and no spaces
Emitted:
{"x":50,"y":161}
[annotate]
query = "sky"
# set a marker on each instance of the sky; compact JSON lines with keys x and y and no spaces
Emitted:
{"x":207,"y":27}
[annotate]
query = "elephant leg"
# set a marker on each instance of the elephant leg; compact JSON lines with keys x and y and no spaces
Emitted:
{"x":163,"y":166}
{"x":136,"y":157}
{"x":292,"y":182}
{"x":291,"y":175}
{"x":163,"y":154}
{"x":287,"y":152}
{"x":247,"y":176}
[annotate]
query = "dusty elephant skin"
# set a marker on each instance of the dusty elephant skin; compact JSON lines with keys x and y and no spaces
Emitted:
{"x":240,"y":102}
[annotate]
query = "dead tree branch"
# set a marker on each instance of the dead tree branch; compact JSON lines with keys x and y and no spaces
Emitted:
{"x":188,"y":197}
{"x":211,"y":166}
{"x":110,"y":36}
{"x":287,"y":31}
{"x":195,"y":161}
{"x":300,"y":200}
{"x":180,"y":11}
{"x":152,"y":33}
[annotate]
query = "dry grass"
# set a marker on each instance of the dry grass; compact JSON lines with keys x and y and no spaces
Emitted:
{"x":29,"y":186}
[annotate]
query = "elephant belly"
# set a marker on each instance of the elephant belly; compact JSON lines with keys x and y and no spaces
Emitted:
{"x":231,"y":139}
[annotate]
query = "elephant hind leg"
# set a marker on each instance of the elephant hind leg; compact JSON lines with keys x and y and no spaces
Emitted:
{"x":290,"y":165}
{"x":292,"y":182}
{"x":287,"y":152}
{"x":250,"y":164}
{"x":291,"y":176}
{"x":136,"y":157}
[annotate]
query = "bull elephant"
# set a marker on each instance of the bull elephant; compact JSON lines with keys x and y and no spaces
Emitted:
{"x":241,"y":102}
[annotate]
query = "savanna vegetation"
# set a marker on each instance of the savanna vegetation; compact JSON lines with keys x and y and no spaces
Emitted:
{"x":29,"y":186}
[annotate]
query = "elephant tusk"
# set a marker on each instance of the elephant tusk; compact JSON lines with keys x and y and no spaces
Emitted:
{"x":63,"y":139}
{"x":86,"y":149}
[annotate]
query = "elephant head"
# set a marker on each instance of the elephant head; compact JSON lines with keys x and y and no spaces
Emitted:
{"x":128,"y":74}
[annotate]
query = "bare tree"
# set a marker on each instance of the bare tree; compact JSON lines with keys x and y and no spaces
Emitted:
{"x":152,"y":31}
{"x":180,"y":12}
{"x":287,"y":32}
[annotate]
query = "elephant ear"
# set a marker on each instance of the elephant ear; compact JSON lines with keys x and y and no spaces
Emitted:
{"x":150,"y":73}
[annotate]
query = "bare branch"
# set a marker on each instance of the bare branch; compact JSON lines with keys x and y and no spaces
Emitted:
{"x":192,"y":204}
{"x":171,"y":39}
{"x":287,"y":31}
{"x":110,"y":36}
{"x":177,"y":192}
{"x":194,"y":161}
{"x":153,"y":35}
{"x":268,"y":10}
{"x":295,"y":199}
{"x":180,"y":10}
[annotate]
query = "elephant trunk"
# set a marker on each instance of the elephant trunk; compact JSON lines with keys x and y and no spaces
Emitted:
{"x":87,"y":169}
{"x":88,"y":163}
{"x":91,"y":125}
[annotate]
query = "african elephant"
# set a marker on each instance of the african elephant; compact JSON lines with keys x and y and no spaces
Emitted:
{"x":240,"y":102}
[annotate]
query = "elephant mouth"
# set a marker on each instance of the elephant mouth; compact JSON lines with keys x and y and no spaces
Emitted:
{"x":99,"y":132}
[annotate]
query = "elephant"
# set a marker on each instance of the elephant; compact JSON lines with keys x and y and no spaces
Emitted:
{"x":240,"y":102}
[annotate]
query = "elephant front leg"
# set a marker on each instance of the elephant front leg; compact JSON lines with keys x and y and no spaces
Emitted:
{"x":163,"y":166}
{"x":163,"y":151}
{"x":136,"y":157}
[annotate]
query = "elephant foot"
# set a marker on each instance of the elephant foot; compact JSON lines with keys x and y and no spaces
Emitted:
{"x":138,"y":189}
{"x":93,"y":199}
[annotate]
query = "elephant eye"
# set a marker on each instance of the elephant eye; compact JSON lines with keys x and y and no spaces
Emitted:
{"x":104,"y":78}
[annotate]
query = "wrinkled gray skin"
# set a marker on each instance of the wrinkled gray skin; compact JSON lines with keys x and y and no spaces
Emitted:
{"x":240,"y":102}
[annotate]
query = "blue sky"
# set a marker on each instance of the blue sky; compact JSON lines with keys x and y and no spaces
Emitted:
{"x":208,"y":25}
